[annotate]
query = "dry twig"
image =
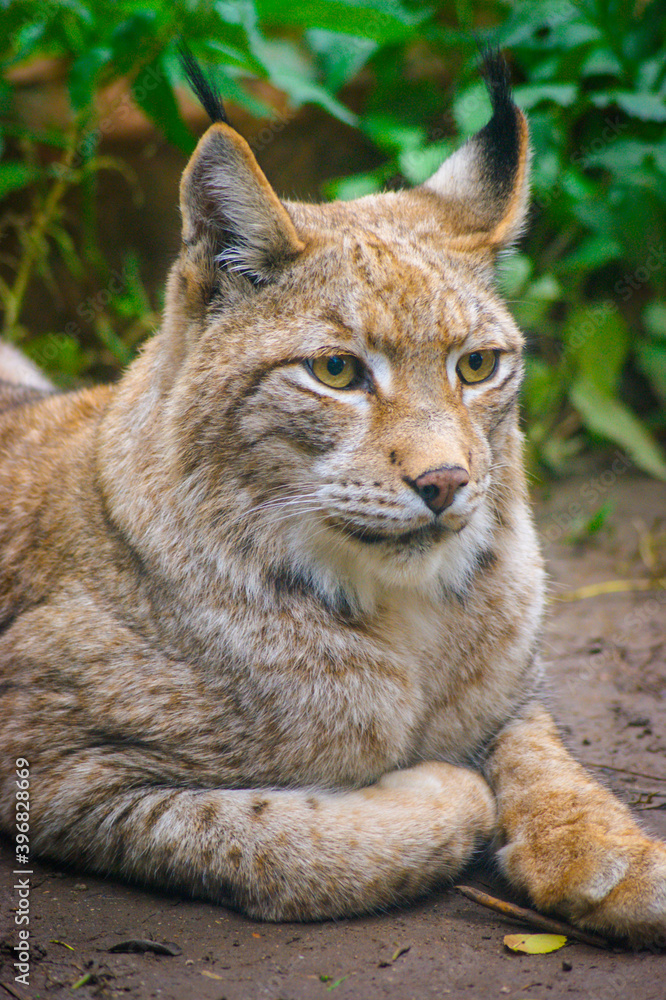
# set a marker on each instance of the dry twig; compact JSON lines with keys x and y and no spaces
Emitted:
{"x":610,"y":587}
{"x":623,"y":770}
{"x":531,"y":917}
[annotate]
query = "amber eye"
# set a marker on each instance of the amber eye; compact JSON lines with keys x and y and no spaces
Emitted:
{"x":477,"y":366}
{"x":338,"y":371}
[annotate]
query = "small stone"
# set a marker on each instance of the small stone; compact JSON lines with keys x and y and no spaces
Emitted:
{"x":566,"y":966}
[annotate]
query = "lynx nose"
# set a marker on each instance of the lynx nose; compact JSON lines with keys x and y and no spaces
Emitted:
{"x":438,"y":487}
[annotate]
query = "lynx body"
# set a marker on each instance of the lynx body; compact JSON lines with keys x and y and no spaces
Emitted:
{"x":270,"y":606}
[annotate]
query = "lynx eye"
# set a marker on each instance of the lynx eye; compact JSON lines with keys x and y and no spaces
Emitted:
{"x":338,"y":371}
{"x":477,"y":366}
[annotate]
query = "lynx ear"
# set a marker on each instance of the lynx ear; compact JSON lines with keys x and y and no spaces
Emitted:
{"x":484,"y":186}
{"x":226,"y":201}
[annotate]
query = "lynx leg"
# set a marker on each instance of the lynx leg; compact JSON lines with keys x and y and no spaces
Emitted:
{"x":571,"y":844}
{"x":277,"y":854}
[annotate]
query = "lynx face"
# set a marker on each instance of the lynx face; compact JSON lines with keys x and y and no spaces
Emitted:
{"x":377,"y":403}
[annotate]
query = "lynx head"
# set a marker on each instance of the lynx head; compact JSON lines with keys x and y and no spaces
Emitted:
{"x":343,"y":377}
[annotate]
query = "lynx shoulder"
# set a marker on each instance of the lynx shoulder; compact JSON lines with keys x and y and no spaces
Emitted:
{"x":270,"y":606}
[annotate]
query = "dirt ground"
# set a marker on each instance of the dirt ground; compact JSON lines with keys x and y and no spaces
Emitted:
{"x":607,"y":656}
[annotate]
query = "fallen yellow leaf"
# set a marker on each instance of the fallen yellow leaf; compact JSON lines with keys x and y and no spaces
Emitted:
{"x":535,"y":944}
{"x":211,"y":975}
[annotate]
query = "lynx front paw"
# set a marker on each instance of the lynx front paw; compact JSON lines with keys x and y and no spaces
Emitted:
{"x":609,"y":883}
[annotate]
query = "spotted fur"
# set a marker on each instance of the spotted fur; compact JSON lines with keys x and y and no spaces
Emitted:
{"x":273,"y":642}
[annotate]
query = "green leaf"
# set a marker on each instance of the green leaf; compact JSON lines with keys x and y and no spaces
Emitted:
{"x":338,"y":982}
{"x":601,"y":62}
{"x":647,"y":107}
{"x":341,"y":56}
{"x":153,"y":93}
{"x":131,"y":300}
{"x":529,"y":95}
{"x":132,"y":37}
{"x":649,"y":72}
{"x":384,"y":21}
{"x":620,"y":154}
{"x":349,"y":188}
{"x":610,"y":419}
{"x":80,"y":10}
{"x":302,"y":91}
{"x":28,"y":40}
{"x":393,"y":136}
{"x":240,"y":27}
{"x":652,"y":362}
{"x":68,"y":252}
{"x":534,"y":944}
{"x":471,"y":109}
{"x":597,"y":342}
{"x":525,"y":24}
{"x":83,"y":76}
{"x":598,"y":520}
{"x":578,"y":186}
{"x":236,"y":58}
{"x":593,"y":253}
{"x":45,"y":137}
{"x":654,"y":317}
{"x":15,"y":175}
{"x":293,"y":72}
{"x":59,"y":353}
{"x":417,"y":165}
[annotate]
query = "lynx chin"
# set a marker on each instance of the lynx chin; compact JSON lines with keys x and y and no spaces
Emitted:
{"x":270,"y":606}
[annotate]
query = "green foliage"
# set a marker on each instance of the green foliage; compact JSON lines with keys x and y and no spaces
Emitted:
{"x":98,"y":43}
{"x":593,"y":525}
{"x":595,"y":84}
{"x":589,"y":285}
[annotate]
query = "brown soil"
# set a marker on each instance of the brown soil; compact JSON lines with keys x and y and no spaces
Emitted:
{"x":608,"y":689}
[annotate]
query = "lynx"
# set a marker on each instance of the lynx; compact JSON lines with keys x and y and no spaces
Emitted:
{"x":270,"y":606}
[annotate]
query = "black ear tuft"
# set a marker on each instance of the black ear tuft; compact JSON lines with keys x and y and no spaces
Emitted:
{"x":202,"y":86}
{"x":501,"y":136}
{"x":496,"y":74}
{"x":484,"y":186}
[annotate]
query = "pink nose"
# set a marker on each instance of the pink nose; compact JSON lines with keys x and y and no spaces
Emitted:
{"x":437,"y":488}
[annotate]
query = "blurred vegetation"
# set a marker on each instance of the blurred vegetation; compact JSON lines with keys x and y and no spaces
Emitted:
{"x":588,"y":285}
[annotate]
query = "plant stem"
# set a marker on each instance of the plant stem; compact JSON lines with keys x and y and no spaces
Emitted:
{"x":34,"y":238}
